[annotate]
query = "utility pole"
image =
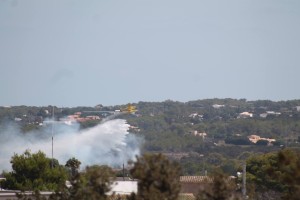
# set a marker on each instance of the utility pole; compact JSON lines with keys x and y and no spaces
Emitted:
{"x":123,"y":172}
{"x":244,"y":181}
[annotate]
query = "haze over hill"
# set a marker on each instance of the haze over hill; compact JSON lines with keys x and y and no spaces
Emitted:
{"x":107,"y":143}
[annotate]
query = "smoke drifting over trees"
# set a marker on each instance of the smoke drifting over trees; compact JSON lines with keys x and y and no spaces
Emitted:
{"x":107,"y":143}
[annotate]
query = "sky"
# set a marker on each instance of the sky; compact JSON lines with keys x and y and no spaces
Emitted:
{"x":83,"y":53}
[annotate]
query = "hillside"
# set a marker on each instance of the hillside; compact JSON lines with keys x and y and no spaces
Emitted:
{"x":202,"y":134}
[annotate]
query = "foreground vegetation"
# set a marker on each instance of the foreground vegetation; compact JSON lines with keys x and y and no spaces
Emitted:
{"x":269,"y":176}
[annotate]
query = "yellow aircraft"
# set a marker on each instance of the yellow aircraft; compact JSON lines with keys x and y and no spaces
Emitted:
{"x":129,"y":109}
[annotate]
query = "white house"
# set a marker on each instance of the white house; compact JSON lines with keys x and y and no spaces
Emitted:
{"x":124,"y":187}
{"x":218,"y":106}
{"x":245,"y":115}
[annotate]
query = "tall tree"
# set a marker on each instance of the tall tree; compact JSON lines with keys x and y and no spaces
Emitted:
{"x":34,"y":172}
{"x":94,"y":183}
{"x":277,"y":172}
{"x":221,"y":188}
{"x":288,"y":173}
{"x":73,"y":165}
{"x":158,"y":177}
{"x":91,"y":184}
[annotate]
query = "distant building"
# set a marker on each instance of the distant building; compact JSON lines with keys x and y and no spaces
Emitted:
{"x":11,"y":195}
{"x":263,"y":115}
{"x":255,"y":138}
{"x":244,"y":115}
{"x":196,"y":115}
{"x":121,"y":187}
{"x":196,"y":133}
{"x":93,"y":117}
{"x":134,"y":128}
{"x":192,"y":184}
{"x":77,"y":118}
{"x":273,"y":113}
{"x":18,"y":119}
{"x":269,"y":113}
{"x":193,"y":115}
{"x":218,"y":106}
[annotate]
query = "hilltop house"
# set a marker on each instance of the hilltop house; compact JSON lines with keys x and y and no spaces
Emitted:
{"x":244,"y":115}
{"x":255,"y":138}
{"x":218,"y":106}
{"x":196,"y":133}
{"x":269,"y":113}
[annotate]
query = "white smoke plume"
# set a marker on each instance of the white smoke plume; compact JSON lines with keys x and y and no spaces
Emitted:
{"x":107,"y":143}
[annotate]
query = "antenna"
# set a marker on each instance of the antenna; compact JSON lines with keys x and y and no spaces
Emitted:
{"x":52,"y":137}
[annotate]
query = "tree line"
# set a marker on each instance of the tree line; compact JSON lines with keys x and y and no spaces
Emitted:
{"x":273,"y":175}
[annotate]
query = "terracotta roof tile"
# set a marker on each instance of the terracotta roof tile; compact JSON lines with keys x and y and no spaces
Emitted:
{"x":195,"y":179}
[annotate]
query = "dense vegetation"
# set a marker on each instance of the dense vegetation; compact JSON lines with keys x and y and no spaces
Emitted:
{"x":275,"y":172}
{"x":270,"y":176}
{"x":34,"y":172}
{"x":171,"y":127}
{"x":158,"y":177}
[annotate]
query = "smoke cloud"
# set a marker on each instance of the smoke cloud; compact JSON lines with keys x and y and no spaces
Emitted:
{"x":107,"y":143}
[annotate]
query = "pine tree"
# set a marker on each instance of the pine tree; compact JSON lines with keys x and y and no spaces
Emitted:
{"x":158,"y":177}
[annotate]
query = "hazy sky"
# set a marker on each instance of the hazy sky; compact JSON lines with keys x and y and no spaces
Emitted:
{"x":76,"y":52}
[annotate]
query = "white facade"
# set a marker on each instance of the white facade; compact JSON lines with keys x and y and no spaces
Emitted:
{"x":124,"y":187}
